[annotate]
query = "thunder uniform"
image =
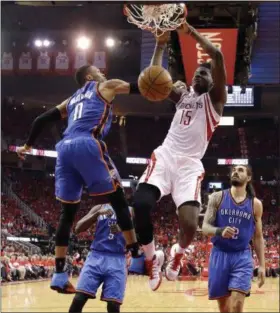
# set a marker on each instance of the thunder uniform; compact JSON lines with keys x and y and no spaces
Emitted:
{"x":231,"y":263}
{"x":175,"y":166}
{"x":106,"y":263}
{"x":82,"y":156}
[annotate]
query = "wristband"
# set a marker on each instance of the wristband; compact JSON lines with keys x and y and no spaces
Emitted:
{"x":219,"y":231}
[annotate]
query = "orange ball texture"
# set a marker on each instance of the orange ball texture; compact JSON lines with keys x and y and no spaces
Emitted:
{"x":155,"y":83}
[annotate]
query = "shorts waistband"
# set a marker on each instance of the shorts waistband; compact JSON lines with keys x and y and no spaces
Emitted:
{"x":114,"y":254}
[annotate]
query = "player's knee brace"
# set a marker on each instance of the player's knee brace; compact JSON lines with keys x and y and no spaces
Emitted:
{"x":144,"y":202}
{"x":78,"y":302}
{"x":119,"y":203}
{"x":66,"y":221}
{"x":113,"y":307}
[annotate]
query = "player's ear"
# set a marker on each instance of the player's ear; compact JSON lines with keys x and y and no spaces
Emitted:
{"x":89,"y":77}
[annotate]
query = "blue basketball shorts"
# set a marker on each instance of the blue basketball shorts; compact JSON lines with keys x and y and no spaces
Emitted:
{"x":108,"y":269}
{"x":229,"y":271}
{"x":83,"y":162}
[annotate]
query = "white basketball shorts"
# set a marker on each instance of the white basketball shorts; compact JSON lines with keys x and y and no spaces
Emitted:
{"x":176,"y":174}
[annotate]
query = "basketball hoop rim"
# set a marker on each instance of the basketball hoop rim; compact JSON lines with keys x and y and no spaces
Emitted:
{"x":125,"y":12}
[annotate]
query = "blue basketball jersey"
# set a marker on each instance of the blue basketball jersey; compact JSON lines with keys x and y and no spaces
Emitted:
{"x":236,"y":215}
{"x":88,"y":113}
{"x":108,"y":236}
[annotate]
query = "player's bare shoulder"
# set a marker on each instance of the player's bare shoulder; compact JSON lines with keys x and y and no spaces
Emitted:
{"x":258,"y":206}
{"x":216,"y":198}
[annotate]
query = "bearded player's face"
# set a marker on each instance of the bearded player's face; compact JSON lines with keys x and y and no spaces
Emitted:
{"x":202,"y":80}
{"x":239,"y":176}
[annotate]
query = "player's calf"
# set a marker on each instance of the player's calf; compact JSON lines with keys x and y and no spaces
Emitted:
{"x":188,"y":214}
{"x":237,"y":302}
{"x":119,"y":203}
{"x":224,"y":304}
{"x":60,"y":281}
{"x":113,"y":307}
{"x":78,"y":302}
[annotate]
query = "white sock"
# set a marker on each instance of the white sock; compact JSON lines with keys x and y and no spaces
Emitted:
{"x":180,"y":249}
{"x":149,"y":250}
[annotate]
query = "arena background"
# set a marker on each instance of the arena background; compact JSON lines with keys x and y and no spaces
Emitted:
{"x":37,"y":36}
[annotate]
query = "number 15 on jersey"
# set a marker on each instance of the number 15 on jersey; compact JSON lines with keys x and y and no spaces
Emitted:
{"x":186,"y":117}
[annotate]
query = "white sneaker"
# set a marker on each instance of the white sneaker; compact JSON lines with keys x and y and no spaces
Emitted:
{"x":173,"y":268}
{"x":154,"y":270}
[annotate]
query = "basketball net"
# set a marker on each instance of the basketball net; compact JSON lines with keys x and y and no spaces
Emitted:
{"x":157,"y":19}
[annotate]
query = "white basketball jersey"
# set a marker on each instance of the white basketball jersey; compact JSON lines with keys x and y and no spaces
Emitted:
{"x":62,"y":61}
{"x":43,"y":61}
{"x":80,"y":59}
{"x":193,"y":125}
{"x":7,"y":61}
{"x":25,"y":61}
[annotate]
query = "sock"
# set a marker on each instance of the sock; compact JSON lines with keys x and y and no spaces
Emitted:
{"x":149,"y":250}
{"x":59,"y":265}
{"x":180,"y":250}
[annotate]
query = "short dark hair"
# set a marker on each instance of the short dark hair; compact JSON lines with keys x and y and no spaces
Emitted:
{"x":80,"y":75}
{"x":207,"y":65}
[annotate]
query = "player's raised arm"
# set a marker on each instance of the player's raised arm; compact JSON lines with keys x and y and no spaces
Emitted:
{"x":258,"y":240}
{"x":157,"y":57}
{"x":88,"y":220}
{"x":218,"y":92}
{"x":55,"y":114}
{"x":112,"y":87}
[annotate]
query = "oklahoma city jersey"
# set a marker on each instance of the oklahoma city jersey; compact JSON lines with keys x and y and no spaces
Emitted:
{"x":239,"y":216}
{"x":193,"y":125}
{"x":88,"y":113}
{"x":108,"y":237}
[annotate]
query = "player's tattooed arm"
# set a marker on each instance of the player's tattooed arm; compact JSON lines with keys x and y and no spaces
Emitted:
{"x":88,"y":220}
{"x":208,"y":227}
{"x":218,"y":93}
{"x":258,"y":239}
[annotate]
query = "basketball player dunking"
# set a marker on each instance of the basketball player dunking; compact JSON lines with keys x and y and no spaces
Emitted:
{"x":175,"y":166}
{"x":83,"y":160}
{"x":234,"y":217}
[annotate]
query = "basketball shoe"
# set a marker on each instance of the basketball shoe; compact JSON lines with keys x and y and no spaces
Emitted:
{"x":173,"y":268}
{"x":154,"y":270}
{"x":60,"y":283}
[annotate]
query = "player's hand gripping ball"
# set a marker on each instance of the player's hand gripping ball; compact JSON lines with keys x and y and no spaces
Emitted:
{"x":155,"y":83}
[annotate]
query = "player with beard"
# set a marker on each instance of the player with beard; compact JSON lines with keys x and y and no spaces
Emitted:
{"x":233,"y":218}
{"x":176,"y":166}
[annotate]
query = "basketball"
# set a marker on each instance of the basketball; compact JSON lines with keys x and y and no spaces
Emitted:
{"x":155,"y":83}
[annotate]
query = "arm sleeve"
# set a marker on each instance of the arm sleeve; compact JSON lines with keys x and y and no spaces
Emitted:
{"x":40,"y":122}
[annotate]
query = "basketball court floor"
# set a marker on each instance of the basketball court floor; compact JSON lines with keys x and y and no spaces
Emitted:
{"x":186,"y":296}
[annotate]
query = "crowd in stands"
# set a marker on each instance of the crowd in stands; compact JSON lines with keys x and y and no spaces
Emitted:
{"x":37,"y":191}
{"x":13,"y":220}
{"x":225,"y":141}
{"x":19,"y":265}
